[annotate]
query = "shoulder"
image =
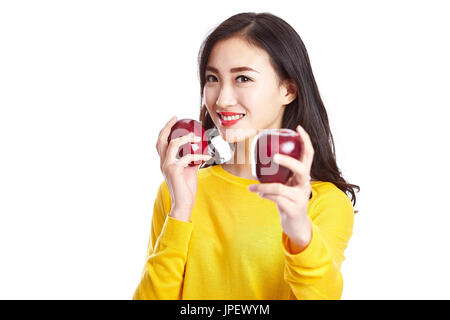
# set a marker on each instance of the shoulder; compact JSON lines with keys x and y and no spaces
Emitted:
{"x":323,"y":190}
{"x":209,"y":178}
{"x":327,"y":197}
{"x":205,"y":173}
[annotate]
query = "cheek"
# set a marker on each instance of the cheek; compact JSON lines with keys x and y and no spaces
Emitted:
{"x":252,"y":99}
{"x":210,"y":95}
{"x":267,"y":97}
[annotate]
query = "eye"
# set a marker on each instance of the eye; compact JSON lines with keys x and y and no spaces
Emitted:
{"x":207,"y":77}
{"x":213,"y":78}
{"x":244,"y":77}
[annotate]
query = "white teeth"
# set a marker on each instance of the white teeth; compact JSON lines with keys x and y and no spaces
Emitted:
{"x":229,"y":118}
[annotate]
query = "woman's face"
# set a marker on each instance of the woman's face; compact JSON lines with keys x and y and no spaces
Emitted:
{"x":240,"y":79}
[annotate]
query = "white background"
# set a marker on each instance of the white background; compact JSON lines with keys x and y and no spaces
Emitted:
{"x":86,"y":86}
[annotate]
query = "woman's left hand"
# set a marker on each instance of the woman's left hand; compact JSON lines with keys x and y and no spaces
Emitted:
{"x":292,"y":198}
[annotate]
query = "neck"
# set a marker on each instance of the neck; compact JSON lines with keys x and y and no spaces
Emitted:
{"x":240,"y":165}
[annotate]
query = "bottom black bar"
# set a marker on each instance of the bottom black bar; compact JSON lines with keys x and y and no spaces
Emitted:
{"x":219,"y":309}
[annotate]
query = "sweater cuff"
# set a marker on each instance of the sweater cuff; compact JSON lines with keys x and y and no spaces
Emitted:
{"x":176,"y":234}
{"x":314,"y":255}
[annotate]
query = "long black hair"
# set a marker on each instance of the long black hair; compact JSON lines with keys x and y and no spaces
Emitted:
{"x":289,"y":58}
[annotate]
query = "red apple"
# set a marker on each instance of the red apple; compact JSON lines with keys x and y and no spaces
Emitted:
{"x":183,"y":127}
{"x":265,"y":145}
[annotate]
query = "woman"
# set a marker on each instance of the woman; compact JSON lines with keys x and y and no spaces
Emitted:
{"x":217,"y":233}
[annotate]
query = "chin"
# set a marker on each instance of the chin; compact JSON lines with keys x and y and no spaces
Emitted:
{"x":237,"y":134}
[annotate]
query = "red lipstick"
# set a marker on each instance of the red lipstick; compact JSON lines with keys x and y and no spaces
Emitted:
{"x":227,"y":123}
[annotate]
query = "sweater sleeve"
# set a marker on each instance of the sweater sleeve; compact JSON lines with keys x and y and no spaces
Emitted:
{"x":163,"y":274}
{"x":314,"y":273}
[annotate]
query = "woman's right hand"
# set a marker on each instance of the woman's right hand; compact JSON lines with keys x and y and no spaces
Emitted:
{"x":181,"y":179}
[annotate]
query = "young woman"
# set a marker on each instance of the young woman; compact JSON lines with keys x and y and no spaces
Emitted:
{"x":217,"y":233}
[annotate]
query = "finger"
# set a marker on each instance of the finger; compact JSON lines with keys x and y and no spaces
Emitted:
{"x":275,"y":189}
{"x":161,"y":145}
{"x":175,"y":144}
{"x":284,"y":204}
{"x":308,"y":149}
{"x":298,"y":168}
{"x":185,"y":160}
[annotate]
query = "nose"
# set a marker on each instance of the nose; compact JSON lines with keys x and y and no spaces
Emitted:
{"x":226,"y":97}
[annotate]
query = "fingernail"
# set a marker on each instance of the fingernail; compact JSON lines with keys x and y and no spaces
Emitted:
{"x":251,"y":187}
{"x":276,"y":157}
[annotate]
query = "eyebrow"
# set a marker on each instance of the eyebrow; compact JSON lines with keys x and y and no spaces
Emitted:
{"x":232,"y":70}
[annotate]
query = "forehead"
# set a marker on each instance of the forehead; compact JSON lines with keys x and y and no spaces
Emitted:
{"x":236,"y":52}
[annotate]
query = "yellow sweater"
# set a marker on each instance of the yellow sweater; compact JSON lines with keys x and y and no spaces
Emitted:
{"x":234,"y":246}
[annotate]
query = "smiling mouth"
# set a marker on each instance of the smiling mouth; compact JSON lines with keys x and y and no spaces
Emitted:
{"x":231,"y":118}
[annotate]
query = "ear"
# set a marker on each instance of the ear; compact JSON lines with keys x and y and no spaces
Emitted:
{"x":288,"y":91}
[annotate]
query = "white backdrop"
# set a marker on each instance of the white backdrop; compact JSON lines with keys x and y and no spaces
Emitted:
{"x":85,"y":87}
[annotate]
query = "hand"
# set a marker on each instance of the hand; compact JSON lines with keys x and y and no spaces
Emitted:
{"x":293,"y":197}
{"x":181,"y":179}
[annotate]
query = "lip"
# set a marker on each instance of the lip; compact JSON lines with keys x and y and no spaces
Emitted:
{"x":227,"y":114}
{"x":227,"y":123}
